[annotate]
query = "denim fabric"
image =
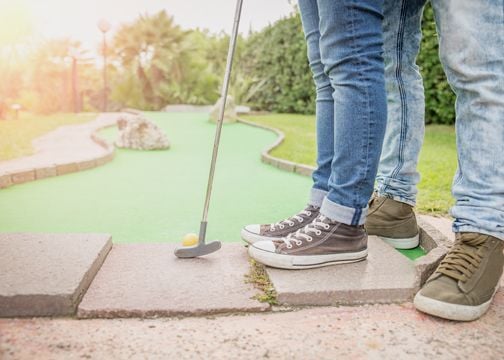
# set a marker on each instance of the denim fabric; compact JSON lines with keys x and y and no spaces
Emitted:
{"x":397,"y":173}
{"x":345,"y":43}
{"x":471,"y":34}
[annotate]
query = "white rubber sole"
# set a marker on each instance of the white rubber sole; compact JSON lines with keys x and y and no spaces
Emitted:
{"x":450,"y":311}
{"x":297,"y":262}
{"x":404,"y":243}
{"x":251,"y":238}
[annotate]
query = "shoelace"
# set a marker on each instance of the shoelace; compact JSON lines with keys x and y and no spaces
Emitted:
{"x":303,"y":234}
{"x":463,"y":259}
{"x":290,"y":221}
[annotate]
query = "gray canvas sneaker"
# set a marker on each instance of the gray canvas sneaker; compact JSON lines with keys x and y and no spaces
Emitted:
{"x":393,"y":221}
{"x":323,"y":242}
{"x":278,"y":230}
{"x":464,"y":284}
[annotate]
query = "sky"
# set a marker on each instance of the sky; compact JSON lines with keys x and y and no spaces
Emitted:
{"x":77,"y":19}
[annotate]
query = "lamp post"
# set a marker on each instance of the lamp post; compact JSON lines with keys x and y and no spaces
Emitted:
{"x":74,"y":55}
{"x":104,"y":27}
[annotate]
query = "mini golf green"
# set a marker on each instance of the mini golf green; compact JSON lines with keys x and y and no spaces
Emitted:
{"x":158,"y":196}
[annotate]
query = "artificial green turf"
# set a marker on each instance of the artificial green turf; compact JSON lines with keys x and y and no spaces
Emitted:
{"x":158,"y":196}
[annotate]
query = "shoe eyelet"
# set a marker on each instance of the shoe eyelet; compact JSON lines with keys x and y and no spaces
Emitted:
{"x":289,"y":246}
{"x":299,"y":243}
{"x":311,"y":239}
{"x":300,"y":221}
{"x":281,"y":227}
{"x":318,"y":232}
{"x":291,"y":223}
{"x":309,"y":213}
{"x":327,"y":227}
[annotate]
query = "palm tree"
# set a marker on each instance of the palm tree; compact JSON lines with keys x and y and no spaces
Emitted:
{"x":153,"y":47}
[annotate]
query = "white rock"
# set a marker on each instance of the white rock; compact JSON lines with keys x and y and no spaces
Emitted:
{"x":136,"y":132}
{"x":229,"y":114}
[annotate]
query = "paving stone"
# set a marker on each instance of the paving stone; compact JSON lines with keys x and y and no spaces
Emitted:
{"x":442,"y":224}
{"x":23,"y":176}
{"x":304,"y":170}
{"x":268,"y":159}
{"x":385,"y":277}
{"x":147,"y":280}
{"x":395,"y":331}
{"x":286,"y":165}
{"x":87,"y":164}
{"x":46,"y":274}
{"x":46,"y":172}
{"x":67,"y":168}
{"x":5,"y":181}
{"x":105,"y":159}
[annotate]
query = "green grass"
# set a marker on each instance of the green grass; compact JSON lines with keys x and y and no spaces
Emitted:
{"x":438,"y":158}
{"x":16,"y":135}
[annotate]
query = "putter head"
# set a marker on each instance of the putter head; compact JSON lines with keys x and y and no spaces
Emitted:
{"x":201,"y":249}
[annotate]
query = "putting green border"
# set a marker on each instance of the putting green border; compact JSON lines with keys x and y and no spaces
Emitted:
{"x":44,"y":171}
{"x":282,"y":164}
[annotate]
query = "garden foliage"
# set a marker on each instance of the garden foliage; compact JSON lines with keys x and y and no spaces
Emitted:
{"x":275,"y":59}
{"x":153,"y":62}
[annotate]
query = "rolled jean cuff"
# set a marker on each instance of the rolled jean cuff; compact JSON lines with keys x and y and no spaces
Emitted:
{"x":317,"y":197}
{"x":343,"y":214}
{"x":469,"y":228}
{"x":396,"y":198}
{"x":407,"y":196}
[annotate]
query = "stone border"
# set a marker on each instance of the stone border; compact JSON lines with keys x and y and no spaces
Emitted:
{"x":431,"y":240}
{"x":37,"y":173}
{"x":435,"y":244}
{"x":282,"y":164}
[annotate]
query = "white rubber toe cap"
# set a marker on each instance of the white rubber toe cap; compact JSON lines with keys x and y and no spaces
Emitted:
{"x":265,"y":246}
{"x":254,"y":229}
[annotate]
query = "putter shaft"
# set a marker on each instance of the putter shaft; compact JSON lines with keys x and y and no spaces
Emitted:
{"x":224,"y":92}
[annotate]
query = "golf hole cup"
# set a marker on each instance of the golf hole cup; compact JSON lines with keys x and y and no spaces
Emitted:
{"x":190,"y":239}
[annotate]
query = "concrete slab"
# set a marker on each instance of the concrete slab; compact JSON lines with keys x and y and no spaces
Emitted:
{"x":63,"y":169}
{"x":395,"y":331}
{"x":385,"y":277}
{"x":442,"y":224}
{"x":45,"y":172}
{"x":86,"y":164}
{"x":147,"y":280}
{"x":5,"y":181}
{"x":24,"y":176}
{"x":46,"y":274}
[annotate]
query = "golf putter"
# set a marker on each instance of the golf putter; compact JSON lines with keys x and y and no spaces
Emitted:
{"x":202,"y":248}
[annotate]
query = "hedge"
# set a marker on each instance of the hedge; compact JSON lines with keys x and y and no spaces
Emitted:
{"x":278,"y":77}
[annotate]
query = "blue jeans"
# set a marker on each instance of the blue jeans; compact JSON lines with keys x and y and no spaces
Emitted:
{"x":345,"y":46}
{"x":471,"y":44}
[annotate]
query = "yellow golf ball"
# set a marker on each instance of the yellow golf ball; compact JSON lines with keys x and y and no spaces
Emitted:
{"x":190,"y":239}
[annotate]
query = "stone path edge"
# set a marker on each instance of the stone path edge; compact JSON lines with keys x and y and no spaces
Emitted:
{"x":37,"y":173}
{"x":282,"y":164}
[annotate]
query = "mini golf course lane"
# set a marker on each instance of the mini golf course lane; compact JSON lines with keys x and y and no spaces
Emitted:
{"x":158,"y":196}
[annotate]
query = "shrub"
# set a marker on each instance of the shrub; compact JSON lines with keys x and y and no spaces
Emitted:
{"x":278,"y":77}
